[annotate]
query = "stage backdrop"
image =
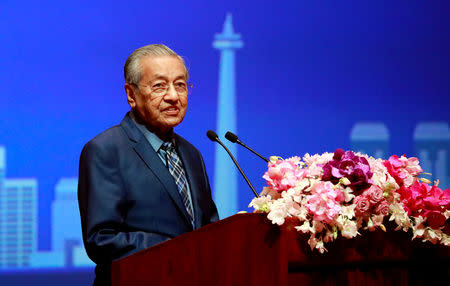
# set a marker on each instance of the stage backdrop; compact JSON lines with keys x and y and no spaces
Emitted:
{"x":289,"y":77}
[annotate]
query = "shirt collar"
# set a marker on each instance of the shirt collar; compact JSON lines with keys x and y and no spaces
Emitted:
{"x":151,"y":137}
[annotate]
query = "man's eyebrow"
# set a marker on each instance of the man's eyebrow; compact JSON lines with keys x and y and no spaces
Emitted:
{"x":160,"y":76}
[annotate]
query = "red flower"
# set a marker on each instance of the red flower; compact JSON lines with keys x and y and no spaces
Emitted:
{"x":428,"y":202}
{"x":435,"y":219}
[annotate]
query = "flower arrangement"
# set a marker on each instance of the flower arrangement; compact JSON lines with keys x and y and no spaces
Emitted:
{"x":342,"y":193}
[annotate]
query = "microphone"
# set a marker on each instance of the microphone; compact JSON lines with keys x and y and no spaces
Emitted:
{"x":213,"y":137}
{"x":233,"y":138}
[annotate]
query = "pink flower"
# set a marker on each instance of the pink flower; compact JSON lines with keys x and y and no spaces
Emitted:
{"x":337,"y":194}
{"x":446,"y":198}
{"x":382,"y":208}
{"x":362,"y":205}
{"x":374,"y":194}
{"x":283,"y":174}
{"x":324,"y":203}
{"x":412,"y":197}
{"x":436,"y":198}
{"x":403,"y":170}
{"x":413,"y":167}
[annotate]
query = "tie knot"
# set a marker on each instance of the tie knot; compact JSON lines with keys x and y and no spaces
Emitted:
{"x":167,"y":146}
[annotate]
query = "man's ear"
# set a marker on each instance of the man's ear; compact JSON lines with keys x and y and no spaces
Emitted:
{"x":131,"y":96}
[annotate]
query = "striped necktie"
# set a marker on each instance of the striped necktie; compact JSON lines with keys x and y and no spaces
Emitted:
{"x":177,"y":171}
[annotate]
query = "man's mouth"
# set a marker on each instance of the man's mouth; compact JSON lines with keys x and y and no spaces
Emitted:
{"x":173,"y":110}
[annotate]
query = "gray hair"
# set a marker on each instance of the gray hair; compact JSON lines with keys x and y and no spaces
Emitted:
{"x":132,"y":68}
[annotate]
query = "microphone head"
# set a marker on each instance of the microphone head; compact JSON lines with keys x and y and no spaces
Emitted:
{"x":212,"y":135}
{"x":231,"y":137}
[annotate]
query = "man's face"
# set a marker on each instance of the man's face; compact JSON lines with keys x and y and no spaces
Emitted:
{"x":160,"y":98}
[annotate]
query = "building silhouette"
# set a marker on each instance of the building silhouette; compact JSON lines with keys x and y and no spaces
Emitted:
{"x":66,"y":224}
{"x":2,"y":165}
{"x":225,"y":175}
{"x":67,"y":244}
{"x":18,"y":218}
{"x":432,"y":147}
{"x":371,"y":138}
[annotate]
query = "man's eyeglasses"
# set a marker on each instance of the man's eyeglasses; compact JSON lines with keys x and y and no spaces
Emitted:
{"x":161,"y":88}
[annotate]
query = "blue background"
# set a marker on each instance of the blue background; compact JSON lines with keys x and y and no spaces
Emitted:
{"x":308,"y":71}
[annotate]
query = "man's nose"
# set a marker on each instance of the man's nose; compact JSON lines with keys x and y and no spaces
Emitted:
{"x":171,"y":93}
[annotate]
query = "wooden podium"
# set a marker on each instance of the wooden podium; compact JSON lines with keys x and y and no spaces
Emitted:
{"x":247,"y":249}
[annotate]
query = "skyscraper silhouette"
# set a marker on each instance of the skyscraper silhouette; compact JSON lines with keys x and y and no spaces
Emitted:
{"x":67,"y":244}
{"x":18,"y":218}
{"x":225,"y":175}
{"x":65,"y":215}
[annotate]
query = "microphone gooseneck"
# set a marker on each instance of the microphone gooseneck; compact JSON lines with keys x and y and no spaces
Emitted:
{"x":233,"y":138}
{"x":213,"y":137}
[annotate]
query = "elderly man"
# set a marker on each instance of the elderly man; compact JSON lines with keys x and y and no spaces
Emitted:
{"x":139,"y":182}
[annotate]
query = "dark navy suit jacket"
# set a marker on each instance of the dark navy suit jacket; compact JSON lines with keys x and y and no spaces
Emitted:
{"x":129,"y":201}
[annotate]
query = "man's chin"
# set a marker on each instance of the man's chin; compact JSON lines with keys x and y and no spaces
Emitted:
{"x":170,"y":124}
{"x":163,"y":126}
{"x":172,"y":121}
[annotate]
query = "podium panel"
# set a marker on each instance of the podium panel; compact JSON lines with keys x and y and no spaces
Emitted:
{"x":247,"y":249}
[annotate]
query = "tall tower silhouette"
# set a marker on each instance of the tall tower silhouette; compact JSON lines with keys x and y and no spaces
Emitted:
{"x":225,"y":175}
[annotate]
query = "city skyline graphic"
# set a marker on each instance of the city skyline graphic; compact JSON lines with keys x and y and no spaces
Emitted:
{"x":19,"y":219}
{"x":19,"y":197}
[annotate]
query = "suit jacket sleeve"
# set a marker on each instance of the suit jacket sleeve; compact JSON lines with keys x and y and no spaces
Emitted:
{"x":102,"y":200}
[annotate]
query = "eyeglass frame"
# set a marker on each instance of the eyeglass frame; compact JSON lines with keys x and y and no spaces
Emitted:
{"x":152,"y":91}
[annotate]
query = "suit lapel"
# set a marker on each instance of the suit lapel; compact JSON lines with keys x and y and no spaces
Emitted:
{"x":153,"y":162}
